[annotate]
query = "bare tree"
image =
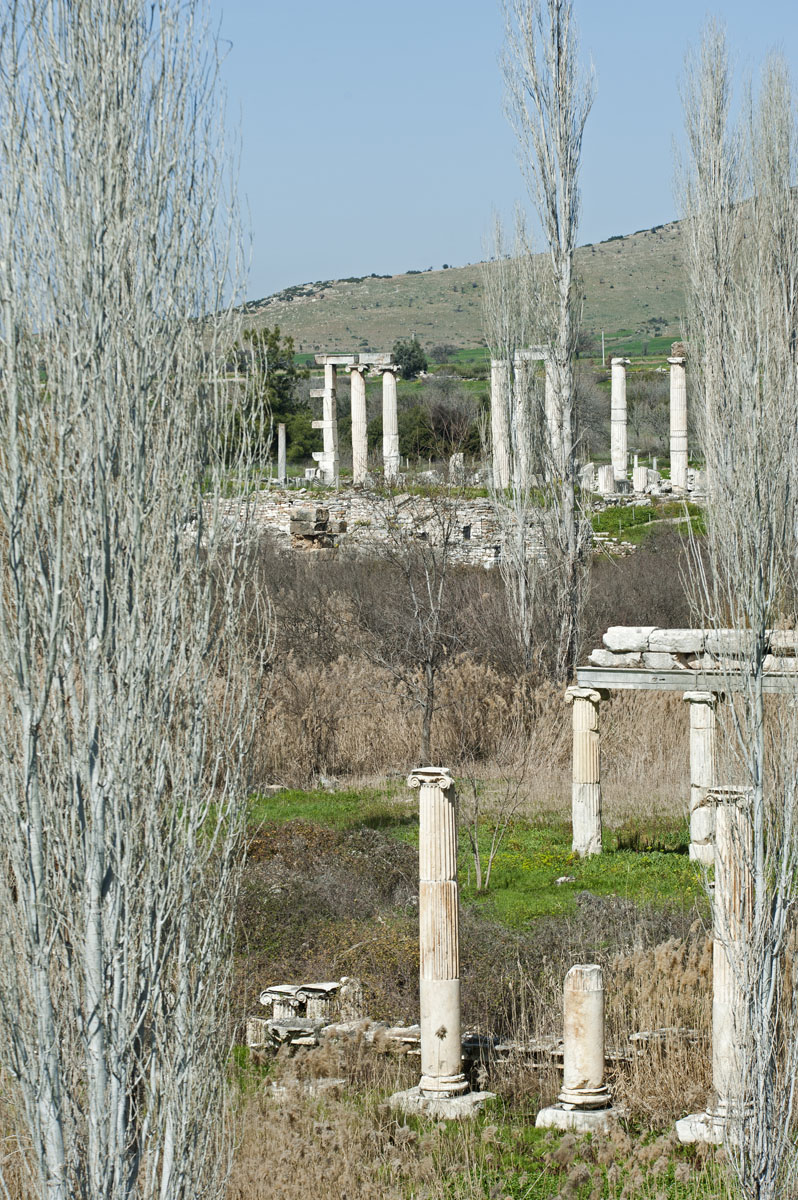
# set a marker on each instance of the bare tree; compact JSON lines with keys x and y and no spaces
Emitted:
{"x":124,"y":700}
{"x":743,"y":267}
{"x":548,"y":102}
{"x":420,"y":532}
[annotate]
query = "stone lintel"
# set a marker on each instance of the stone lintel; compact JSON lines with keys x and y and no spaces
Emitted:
{"x":533,"y":354}
{"x":336,"y":360}
{"x":383,"y":359}
{"x":680,"y":680}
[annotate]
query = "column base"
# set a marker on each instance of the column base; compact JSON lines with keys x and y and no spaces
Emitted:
{"x":415,"y":1102}
{"x":585,"y":1097}
{"x":705,"y":1127}
{"x":442,"y":1085}
{"x":577,"y":1120}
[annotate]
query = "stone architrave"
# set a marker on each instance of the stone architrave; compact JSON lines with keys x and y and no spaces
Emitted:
{"x":702,"y":774}
{"x":500,"y":421}
{"x":360,"y":447}
{"x":438,"y":917}
{"x":618,"y":417}
{"x":585,"y":1100}
{"x":390,"y":424}
{"x":586,"y":787}
{"x":678,"y":423}
{"x":282,"y":473}
{"x":734,"y":897}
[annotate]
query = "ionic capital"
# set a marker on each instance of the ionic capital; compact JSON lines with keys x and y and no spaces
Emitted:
{"x":739,"y":797}
{"x":584,"y":693}
{"x":710,"y":698}
{"x":437,"y":777}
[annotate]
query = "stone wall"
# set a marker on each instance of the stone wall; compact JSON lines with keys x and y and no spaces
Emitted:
{"x":361,"y":522}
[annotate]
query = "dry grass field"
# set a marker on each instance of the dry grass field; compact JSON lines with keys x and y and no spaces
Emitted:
{"x":631,"y":284}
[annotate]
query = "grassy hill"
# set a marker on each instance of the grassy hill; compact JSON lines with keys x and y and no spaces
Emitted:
{"x":632,"y":287}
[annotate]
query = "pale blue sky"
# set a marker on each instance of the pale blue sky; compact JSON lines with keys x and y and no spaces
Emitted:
{"x":373,"y":136}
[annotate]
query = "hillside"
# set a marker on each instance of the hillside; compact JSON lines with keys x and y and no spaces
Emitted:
{"x":631,"y":284}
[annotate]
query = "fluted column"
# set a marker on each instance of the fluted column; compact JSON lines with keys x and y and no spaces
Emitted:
{"x":583,"y":1083}
{"x":586,"y":787}
{"x":734,"y":893}
{"x":618,"y":416}
{"x":330,"y":417}
{"x":522,"y":422}
{"x":390,"y":424}
{"x":282,"y":473}
{"x":499,"y":421}
{"x":438,"y":918}
{"x":360,"y":446}
{"x":733,"y":913}
{"x":678,"y":423}
{"x":702,"y":774}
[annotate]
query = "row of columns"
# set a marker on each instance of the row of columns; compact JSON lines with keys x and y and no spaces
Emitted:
{"x":328,"y":458}
{"x":509,"y":403}
{"x":584,"y":1102}
{"x":511,"y":418}
{"x":586,"y":771}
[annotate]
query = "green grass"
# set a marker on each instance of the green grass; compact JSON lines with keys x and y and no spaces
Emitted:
{"x":636,"y":523}
{"x":644,"y":863}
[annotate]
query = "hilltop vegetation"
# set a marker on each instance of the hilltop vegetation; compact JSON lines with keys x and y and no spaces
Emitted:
{"x":633,"y":289}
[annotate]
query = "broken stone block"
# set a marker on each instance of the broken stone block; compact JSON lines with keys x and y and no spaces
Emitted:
{"x":605,"y":658}
{"x":677,"y":641}
{"x":620,"y":638}
{"x":660,"y":660}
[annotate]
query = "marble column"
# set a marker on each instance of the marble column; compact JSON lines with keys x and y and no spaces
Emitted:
{"x":500,"y":422}
{"x":360,"y":447}
{"x":606,"y":480}
{"x":282,"y":473}
{"x":552,"y":413}
{"x":331,"y":469}
{"x":640,"y":479}
{"x":678,"y":423}
{"x":438,"y":918}
{"x":390,"y":424}
{"x":522,"y":422}
{"x":584,"y":1102}
{"x":702,"y":774}
{"x":618,"y":416}
{"x":733,"y":912}
{"x":586,"y":787}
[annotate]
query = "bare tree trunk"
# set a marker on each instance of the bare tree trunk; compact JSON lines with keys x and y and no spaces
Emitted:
{"x":548,"y":105}
{"x":125,"y":696}
{"x":743,"y":268}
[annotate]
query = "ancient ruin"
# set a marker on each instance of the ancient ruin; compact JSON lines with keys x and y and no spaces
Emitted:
{"x":705,"y":665}
{"x":584,"y":1104}
{"x":443,"y":1089}
{"x":733,"y":912}
{"x":618,"y":446}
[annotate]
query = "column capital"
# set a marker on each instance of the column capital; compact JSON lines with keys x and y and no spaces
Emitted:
{"x":594,"y":695}
{"x":388,"y":368}
{"x":701,"y":698}
{"x":625,"y":362}
{"x":678,"y":360}
{"x":430,"y":777}
{"x":361,"y":368}
{"x":740,"y":797}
